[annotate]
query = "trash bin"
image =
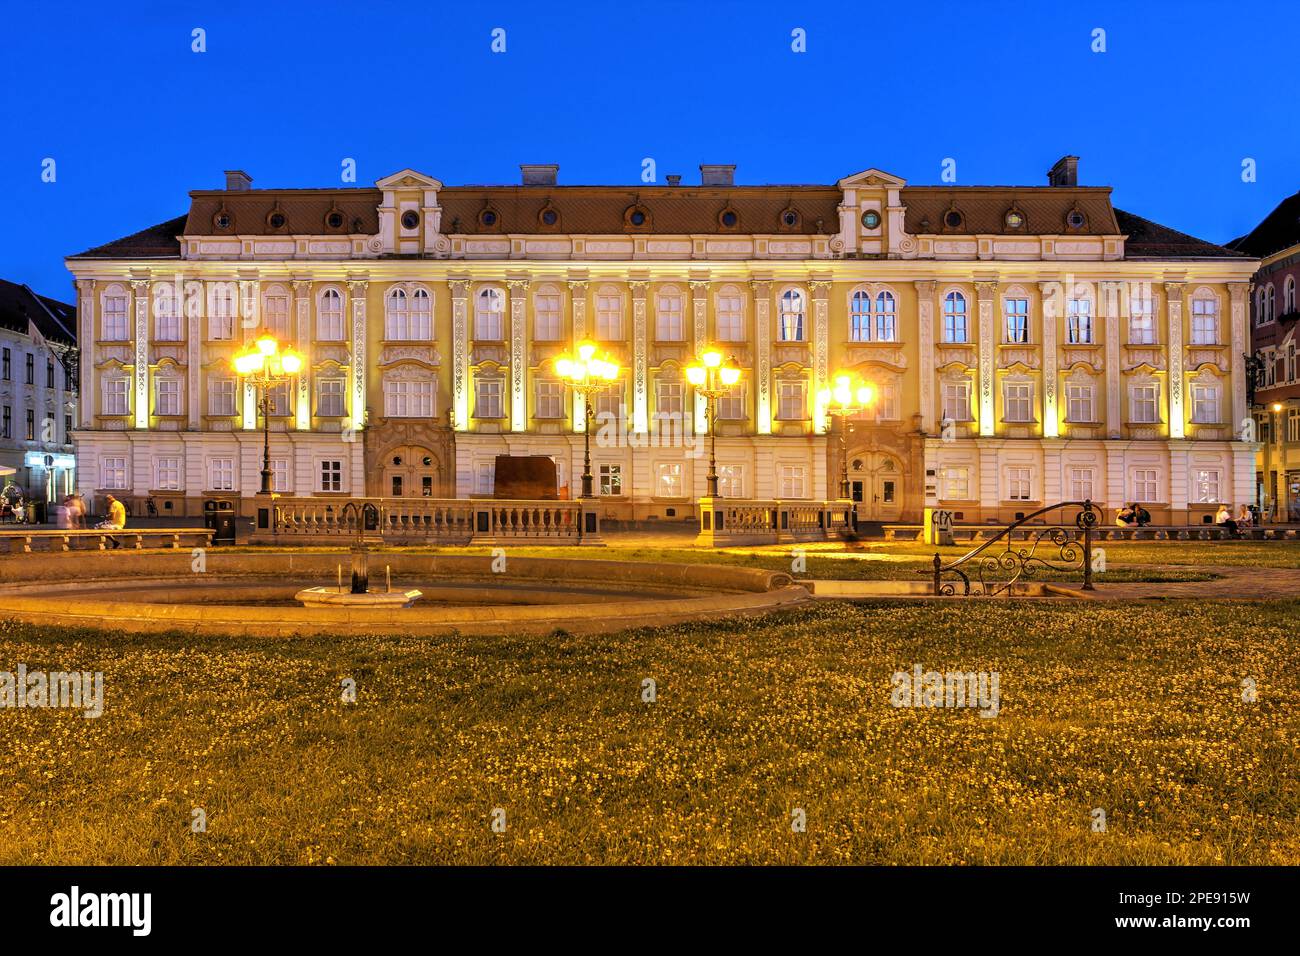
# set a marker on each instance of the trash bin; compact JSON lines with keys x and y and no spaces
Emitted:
{"x":219,"y":516}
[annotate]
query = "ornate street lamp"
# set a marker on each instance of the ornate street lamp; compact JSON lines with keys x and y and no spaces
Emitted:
{"x":846,"y":398}
{"x":711,"y":377}
{"x":586,"y":374}
{"x":262,"y":363}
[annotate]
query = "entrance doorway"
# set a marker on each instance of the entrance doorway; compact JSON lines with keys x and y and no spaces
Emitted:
{"x":876,"y":486}
{"x":410,"y":471}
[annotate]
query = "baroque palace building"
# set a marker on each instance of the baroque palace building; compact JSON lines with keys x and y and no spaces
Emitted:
{"x":1026,"y":344}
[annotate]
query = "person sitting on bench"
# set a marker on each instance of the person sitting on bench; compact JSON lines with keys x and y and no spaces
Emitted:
{"x":1143,"y":516}
{"x":116,"y":520}
{"x":1125,"y":516}
{"x":1223,"y":518}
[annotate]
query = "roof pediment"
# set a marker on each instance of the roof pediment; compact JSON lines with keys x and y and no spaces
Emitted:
{"x":872,"y":177}
{"x":408,"y":179}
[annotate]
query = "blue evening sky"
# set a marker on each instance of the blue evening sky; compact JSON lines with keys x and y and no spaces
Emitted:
{"x":133,"y":119}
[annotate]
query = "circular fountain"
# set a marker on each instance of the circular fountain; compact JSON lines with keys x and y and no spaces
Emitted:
{"x":359,"y":594}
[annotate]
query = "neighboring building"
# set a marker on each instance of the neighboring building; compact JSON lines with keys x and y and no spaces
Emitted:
{"x":1273,"y":341}
{"x":1028,"y":344}
{"x":38,"y":391}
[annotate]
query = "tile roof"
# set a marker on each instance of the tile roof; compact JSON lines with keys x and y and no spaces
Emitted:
{"x":984,"y":209}
{"x":1150,"y":240}
{"x":1279,"y":230}
{"x":53,"y":319}
{"x":156,"y":242}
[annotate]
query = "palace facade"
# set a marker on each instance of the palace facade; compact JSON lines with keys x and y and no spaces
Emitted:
{"x":1026,"y":344}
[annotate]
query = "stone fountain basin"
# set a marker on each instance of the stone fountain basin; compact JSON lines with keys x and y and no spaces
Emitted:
{"x":310,"y":597}
{"x":254,"y":593}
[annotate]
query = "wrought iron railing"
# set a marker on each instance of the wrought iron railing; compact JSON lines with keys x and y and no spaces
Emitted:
{"x":988,"y":571}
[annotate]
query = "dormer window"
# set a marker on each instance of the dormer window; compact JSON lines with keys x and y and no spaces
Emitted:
{"x":790,"y":220}
{"x":1075,"y":220}
{"x":953,"y":219}
{"x":1015,"y":219}
{"x":637,"y":217}
{"x":410,"y":219}
{"x":222,"y":220}
{"x":488,"y":218}
{"x":275,"y":220}
{"x":334,"y":220}
{"x":729,"y":219}
{"x":871,"y":219}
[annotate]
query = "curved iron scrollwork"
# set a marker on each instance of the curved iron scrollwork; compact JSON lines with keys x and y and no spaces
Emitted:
{"x":988,"y":571}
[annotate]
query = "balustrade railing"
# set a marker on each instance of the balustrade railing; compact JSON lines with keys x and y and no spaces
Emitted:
{"x":449,"y":521}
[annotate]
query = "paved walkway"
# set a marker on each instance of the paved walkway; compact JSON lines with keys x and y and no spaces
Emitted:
{"x":1233,"y":584}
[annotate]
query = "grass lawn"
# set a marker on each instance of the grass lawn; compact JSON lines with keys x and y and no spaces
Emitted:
{"x":1136,"y":710}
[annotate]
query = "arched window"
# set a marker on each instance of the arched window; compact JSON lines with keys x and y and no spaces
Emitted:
{"x":886,"y":317}
{"x":1270,"y":309}
{"x":329,"y":316}
{"x":792,"y":316}
{"x":1288,"y":296}
{"x":489,"y":311}
{"x":396,"y":313}
{"x":860,"y":316}
{"x":955,"y":328}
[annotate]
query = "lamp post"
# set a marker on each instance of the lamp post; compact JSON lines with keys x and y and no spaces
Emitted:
{"x":586,"y":374}
{"x":711,"y":377}
{"x":262,"y":363}
{"x":846,"y":398}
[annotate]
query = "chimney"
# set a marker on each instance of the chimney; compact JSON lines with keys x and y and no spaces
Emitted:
{"x":539,"y":175}
{"x":673,"y":179}
{"x":1065,"y":172}
{"x":717,"y":175}
{"x":238,"y":181}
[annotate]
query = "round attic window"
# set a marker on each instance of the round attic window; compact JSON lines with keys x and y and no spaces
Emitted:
{"x":550,"y":217}
{"x":487,"y":218}
{"x":637,"y":218}
{"x":1076,"y":219}
{"x":334,"y":220}
{"x":222,"y":221}
{"x":410,"y":219}
{"x":276,"y":220}
{"x":729,"y":219}
{"x":871,"y":219}
{"x":952,"y":219}
{"x":790,"y":218}
{"x":1015,"y":220}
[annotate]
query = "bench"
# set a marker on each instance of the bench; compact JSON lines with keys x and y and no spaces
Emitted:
{"x":1197,"y":532}
{"x":21,"y":542}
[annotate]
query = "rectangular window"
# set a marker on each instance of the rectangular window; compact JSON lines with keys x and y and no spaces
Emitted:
{"x":550,"y":400}
{"x":8,"y":365}
{"x":956,"y":401}
{"x":410,"y":398}
{"x":276,"y":315}
{"x":280,"y":475}
{"x":732,"y":406}
{"x":668,"y":318}
{"x":1017,"y":315}
{"x":609,"y":403}
{"x":792,"y":401}
{"x":31,"y":424}
{"x":1019,"y":482}
{"x":1145,"y":484}
{"x":730,"y":320}
{"x":116,"y":326}
{"x":485,"y":477}
{"x":221,"y":315}
{"x":278,"y":398}
{"x":221,"y":397}
{"x":1205,"y":322}
{"x":1079,"y":322}
{"x":668,"y":400}
{"x":329,"y":316}
{"x":112,"y":473}
{"x":67,"y":430}
{"x":1205,"y":404}
{"x":167,"y":321}
{"x":887,"y":403}
{"x":1144,"y":401}
{"x":954,"y":318}
{"x":955,"y":483}
{"x":731,"y":481}
{"x":329,"y":397}
{"x":668,"y":481}
{"x":1078,"y":404}
{"x":609,"y":316}
{"x":167,"y":474}
{"x":7,"y":426}
{"x":117,"y":396}
{"x":790,"y":326}
{"x":221,"y":474}
{"x":331,"y":475}
{"x":793,"y":481}
{"x":489,"y":320}
{"x":1017,"y":402}
{"x":167,"y":396}
{"x":49,"y":374}
{"x":1293,"y":425}
{"x":1205,"y":485}
{"x":31,"y":369}
{"x":547,"y":317}
{"x":1141,"y":322}
{"x":487,"y":398}
{"x":1081,"y":482}
{"x":611,"y":480}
